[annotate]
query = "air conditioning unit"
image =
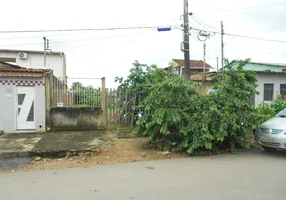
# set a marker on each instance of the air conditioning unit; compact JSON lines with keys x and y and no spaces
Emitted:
{"x":23,"y":55}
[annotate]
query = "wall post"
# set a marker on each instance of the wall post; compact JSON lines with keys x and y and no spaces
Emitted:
{"x":103,"y":102}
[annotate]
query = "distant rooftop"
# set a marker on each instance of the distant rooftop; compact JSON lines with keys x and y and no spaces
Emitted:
{"x":193,"y":63}
{"x":262,"y":67}
{"x":8,"y":67}
{"x":270,"y":64}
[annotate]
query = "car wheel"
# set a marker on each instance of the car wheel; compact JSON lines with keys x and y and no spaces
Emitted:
{"x":269,"y":149}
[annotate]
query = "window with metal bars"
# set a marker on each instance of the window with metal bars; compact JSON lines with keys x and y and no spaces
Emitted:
{"x":268,"y":92}
{"x":283,"y":90}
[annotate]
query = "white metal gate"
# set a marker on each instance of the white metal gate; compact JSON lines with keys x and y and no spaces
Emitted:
{"x":25,"y":108}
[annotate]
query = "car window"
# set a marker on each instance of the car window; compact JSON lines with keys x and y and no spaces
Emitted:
{"x":282,"y":114}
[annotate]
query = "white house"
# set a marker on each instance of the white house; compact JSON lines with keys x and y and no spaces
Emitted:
{"x":270,"y":85}
{"x":22,"y":98}
{"x":35,"y":59}
{"x":271,"y":81}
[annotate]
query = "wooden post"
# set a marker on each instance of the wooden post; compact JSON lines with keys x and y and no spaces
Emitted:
{"x":103,"y":102}
{"x":110,"y":106}
{"x":133,"y":110}
{"x":120,"y":107}
{"x":48,"y":97}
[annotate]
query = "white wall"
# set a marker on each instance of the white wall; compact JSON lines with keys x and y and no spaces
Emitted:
{"x":272,"y":78}
{"x":56,"y":62}
{"x":8,"y":104}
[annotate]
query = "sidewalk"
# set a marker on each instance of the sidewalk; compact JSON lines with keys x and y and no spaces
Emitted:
{"x":18,"y":145}
{"x":51,"y":144}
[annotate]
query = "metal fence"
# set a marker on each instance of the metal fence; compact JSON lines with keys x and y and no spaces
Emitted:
{"x":76,"y":93}
{"x":118,"y":105}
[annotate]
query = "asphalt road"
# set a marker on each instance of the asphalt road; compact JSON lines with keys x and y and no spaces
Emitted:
{"x":13,"y":163}
{"x":247,"y":176}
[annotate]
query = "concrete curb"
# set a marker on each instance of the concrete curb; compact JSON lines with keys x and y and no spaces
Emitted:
{"x":47,"y":154}
{"x":14,"y":154}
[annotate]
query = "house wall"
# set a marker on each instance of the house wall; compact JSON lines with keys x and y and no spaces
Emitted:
{"x":8,"y":98}
{"x":275,"y":79}
{"x":56,"y":62}
{"x":181,"y":70}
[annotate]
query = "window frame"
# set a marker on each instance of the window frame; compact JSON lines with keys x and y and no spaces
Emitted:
{"x":265,"y":95}
{"x":281,"y":92}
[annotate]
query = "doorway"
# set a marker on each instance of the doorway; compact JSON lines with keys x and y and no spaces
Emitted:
{"x":25,"y":108}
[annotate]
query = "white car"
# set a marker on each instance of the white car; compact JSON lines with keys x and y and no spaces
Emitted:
{"x":272,"y":134}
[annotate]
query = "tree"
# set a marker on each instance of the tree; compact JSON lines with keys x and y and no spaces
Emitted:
{"x":180,"y":119}
{"x":140,"y":81}
{"x":224,"y":117}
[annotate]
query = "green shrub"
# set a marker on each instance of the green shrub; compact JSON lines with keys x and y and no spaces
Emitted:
{"x":167,"y":111}
{"x":179,"y":119}
{"x":225,"y":116}
{"x":266,"y":111}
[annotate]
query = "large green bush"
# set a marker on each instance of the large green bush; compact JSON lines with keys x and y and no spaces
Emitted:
{"x":167,"y":111}
{"x":179,"y":119}
{"x":225,"y":116}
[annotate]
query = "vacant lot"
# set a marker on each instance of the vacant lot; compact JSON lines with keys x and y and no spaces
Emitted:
{"x":114,"y":151}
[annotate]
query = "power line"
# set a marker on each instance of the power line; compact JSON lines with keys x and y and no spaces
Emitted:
{"x":73,"y":30}
{"x":279,"y":3}
{"x":247,"y":7}
{"x":202,"y":23}
{"x":38,"y":36}
{"x":90,"y":39}
{"x":243,"y":36}
{"x":246,"y":13}
{"x":255,"y":38}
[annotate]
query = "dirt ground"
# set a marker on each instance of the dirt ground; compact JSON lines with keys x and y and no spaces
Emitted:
{"x":114,"y":151}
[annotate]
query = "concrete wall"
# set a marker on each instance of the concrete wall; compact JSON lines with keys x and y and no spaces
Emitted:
{"x":56,"y":62}
{"x":8,"y":102}
{"x":82,"y":118}
{"x":181,"y":70}
{"x":272,"y":78}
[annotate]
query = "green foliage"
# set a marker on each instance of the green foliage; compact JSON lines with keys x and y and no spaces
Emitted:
{"x":224,"y":117}
{"x":167,"y":111}
{"x":140,"y":81}
{"x":266,"y":111}
{"x":177,"y":118}
{"x":85,"y":96}
{"x":142,"y":77}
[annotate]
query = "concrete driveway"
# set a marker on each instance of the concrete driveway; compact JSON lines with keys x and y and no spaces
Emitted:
{"x":247,"y":176}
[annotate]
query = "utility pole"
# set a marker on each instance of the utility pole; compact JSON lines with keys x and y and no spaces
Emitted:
{"x":222,"y":46}
{"x":45,"y":47}
{"x":186,"y":40}
{"x":204,"y":59}
{"x":217,"y":64}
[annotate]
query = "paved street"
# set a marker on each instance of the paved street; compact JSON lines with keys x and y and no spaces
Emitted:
{"x":252,"y":175}
{"x":13,"y":163}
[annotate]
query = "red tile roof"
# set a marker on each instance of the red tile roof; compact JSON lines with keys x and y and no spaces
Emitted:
{"x":12,"y":65}
{"x":26,"y":70}
{"x":194,"y":63}
{"x":18,"y":69}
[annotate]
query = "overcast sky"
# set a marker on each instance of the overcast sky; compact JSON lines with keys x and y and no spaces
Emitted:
{"x":111,"y":53}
